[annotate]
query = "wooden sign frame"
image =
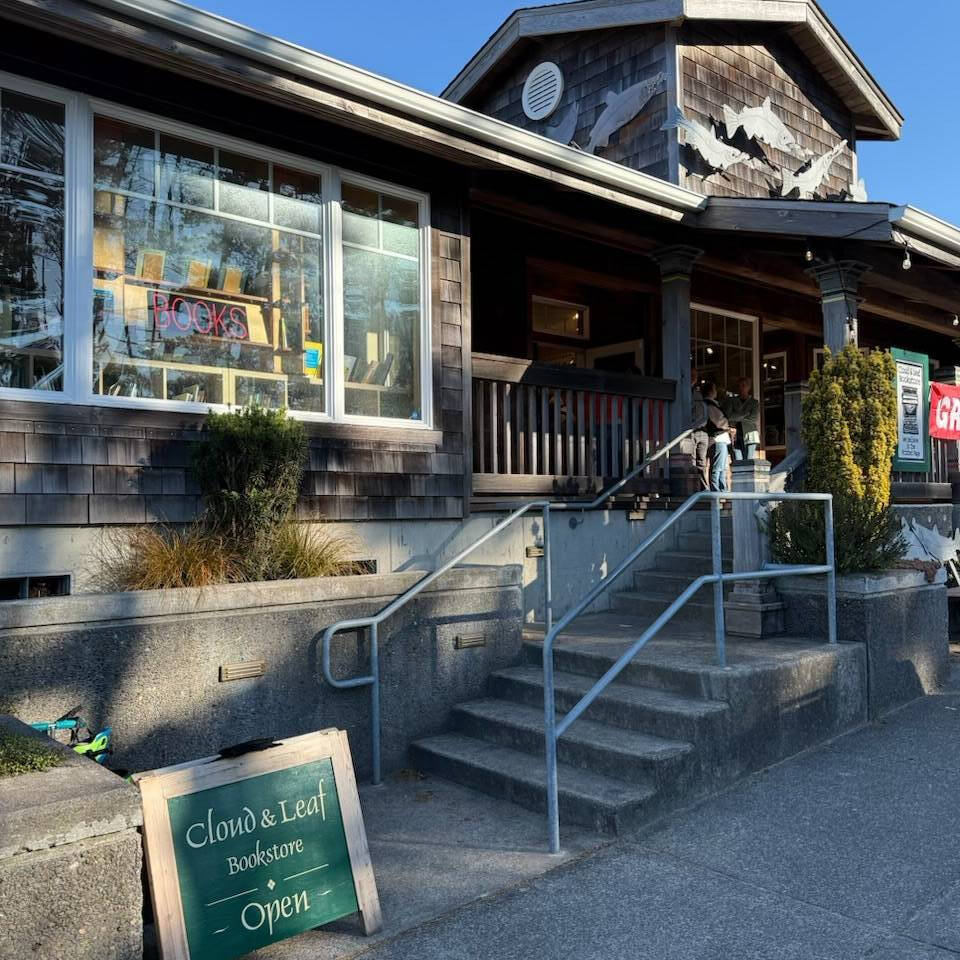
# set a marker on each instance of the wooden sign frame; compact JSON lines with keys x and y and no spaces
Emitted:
{"x":158,"y":786}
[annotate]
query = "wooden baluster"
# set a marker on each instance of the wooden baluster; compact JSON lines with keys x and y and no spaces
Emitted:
{"x":625,"y":428}
{"x":521,"y":427}
{"x":568,"y":426}
{"x":603,"y":400}
{"x":651,"y":432}
{"x":532,"y":428}
{"x":592,"y":468}
{"x":636,"y":454}
{"x":557,"y":435}
{"x":545,"y":429}
{"x":479,"y":412}
{"x":494,"y":428}
{"x":582,"y":468}
{"x":616,"y":429}
{"x":508,"y":428}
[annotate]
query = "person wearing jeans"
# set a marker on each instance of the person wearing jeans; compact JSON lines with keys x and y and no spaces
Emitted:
{"x":701,"y":442}
{"x":743,"y":412}
{"x":720,"y":433}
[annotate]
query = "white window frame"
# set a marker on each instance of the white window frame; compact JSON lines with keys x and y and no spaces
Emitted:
{"x":755,"y":338}
{"x":78,"y":262}
{"x":782,"y":356}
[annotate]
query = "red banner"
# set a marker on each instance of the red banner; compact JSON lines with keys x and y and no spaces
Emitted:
{"x":944,"y":411}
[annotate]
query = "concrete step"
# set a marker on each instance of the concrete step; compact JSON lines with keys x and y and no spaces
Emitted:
{"x":703,"y":543}
{"x":698,"y":521}
{"x":610,"y":751}
{"x":646,"y":607}
{"x":694,"y":564}
{"x":658,"y":672}
{"x":607,"y":805}
{"x":661,"y":713}
{"x":661,"y":583}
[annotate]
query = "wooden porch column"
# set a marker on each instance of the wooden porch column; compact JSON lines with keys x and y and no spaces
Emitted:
{"x":676,"y":266}
{"x":839,"y":284}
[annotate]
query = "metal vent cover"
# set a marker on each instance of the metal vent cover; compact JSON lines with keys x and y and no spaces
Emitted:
{"x":542,"y":91}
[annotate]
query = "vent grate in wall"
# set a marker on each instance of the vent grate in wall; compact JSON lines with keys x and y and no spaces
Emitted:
{"x":542,"y":91}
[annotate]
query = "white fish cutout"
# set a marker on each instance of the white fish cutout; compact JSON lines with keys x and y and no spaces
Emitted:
{"x":564,"y":130}
{"x":621,"y":108}
{"x":761,"y":123}
{"x":858,"y":191}
{"x":720,"y":155}
{"x":808,"y":181}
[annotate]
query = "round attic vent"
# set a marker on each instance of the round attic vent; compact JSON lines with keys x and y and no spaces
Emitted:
{"x":542,"y":91}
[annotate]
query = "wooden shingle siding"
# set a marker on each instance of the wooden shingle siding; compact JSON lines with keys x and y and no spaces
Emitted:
{"x":593,"y":63}
{"x":740,"y":66}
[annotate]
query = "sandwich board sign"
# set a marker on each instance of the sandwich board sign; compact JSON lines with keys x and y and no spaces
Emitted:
{"x":246,"y":850}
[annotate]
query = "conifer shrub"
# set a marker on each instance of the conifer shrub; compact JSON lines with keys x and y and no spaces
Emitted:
{"x":850,"y":432}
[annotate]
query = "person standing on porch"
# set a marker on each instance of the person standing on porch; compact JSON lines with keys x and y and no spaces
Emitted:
{"x":721,"y":434}
{"x":701,"y":440}
{"x":743,"y":412}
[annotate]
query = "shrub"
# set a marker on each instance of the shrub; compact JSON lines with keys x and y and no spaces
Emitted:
{"x":296,"y":550}
{"x":850,"y":432}
{"x":249,"y":470}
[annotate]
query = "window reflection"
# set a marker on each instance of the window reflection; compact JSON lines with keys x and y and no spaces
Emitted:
{"x":201,"y":305}
{"x":31,"y":242}
{"x":381,"y":305}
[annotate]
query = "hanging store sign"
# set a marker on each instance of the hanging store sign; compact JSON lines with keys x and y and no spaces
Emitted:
{"x":243,"y":851}
{"x":185,"y":314}
{"x":944,"y":411}
{"x":913,"y":389}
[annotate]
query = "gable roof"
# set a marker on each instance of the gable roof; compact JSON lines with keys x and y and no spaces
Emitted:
{"x":875,"y":115}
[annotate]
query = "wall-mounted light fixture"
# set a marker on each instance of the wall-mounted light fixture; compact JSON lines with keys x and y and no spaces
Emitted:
{"x":907,"y":262}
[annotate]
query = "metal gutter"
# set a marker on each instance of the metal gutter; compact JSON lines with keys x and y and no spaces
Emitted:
{"x":927,"y":227}
{"x":217,"y":31}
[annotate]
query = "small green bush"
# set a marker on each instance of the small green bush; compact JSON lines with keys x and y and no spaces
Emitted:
{"x":296,"y":550}
{"x":850,"y":432}
{"x":249,"y":470}
{"x":22,"y":754}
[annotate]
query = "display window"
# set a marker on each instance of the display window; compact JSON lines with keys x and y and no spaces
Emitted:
{"x":222,"y":274}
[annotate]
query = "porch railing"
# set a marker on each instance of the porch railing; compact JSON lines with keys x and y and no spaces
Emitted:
{"x":541,"y":429}
{"x":933,"y":484}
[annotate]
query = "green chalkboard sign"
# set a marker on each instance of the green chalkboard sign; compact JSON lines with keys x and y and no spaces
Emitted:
{"x":247,"y":851}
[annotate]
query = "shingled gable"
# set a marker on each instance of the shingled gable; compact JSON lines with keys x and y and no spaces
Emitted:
{"x":875,"y":115}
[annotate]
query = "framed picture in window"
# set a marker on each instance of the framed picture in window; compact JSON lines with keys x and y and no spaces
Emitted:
{"x":232,"y":280}
{"x":150,"y":264}
{"x":198,"y":274}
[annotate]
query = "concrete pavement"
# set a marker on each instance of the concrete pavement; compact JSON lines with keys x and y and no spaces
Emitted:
{"x":848,"y":851}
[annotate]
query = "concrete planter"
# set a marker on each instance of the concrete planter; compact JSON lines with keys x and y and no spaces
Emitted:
{"x":69,"y":862}
{"x":900,"y":617}
{"x":149,"y":663}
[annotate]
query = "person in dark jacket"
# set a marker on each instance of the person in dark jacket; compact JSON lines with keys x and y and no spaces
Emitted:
{"x":701,"y":442}
{"x":721,"y":435}
{"x":743,"y":412}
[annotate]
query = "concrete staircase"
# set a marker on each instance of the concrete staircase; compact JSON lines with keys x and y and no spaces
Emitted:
{"x":672,"y":727}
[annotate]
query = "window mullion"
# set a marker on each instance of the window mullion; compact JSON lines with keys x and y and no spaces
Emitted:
{"x":333,"y":322}
{"x":78,"y":279}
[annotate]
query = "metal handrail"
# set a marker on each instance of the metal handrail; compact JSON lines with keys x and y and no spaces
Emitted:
{"x":373,"y":622}
{"x":553,"y":730}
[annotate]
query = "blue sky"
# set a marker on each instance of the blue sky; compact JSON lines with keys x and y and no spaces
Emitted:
{"x":909,"y":47}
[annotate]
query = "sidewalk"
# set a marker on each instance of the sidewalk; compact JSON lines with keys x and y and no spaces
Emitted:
{"x":849,"y":851}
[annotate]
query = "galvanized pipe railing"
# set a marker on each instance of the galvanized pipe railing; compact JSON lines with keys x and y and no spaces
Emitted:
{"x":372,"y":623}
{"x":553,"y":730}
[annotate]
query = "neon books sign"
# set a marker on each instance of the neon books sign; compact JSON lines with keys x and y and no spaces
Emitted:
{"x":197,"y":315}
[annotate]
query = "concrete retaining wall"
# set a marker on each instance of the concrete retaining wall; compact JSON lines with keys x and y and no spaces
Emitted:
{"x":148,"y":663}
{"x":583,"y":553}
{"x":69,"y":862}
{"x":900,"y":618}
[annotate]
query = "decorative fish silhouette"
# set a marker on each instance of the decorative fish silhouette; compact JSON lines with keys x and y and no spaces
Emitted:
{"x":858,"y":192}
{"x":808,"y":181}
{"x":720,"y":155}
{"x":564,"y":130}
{"x":621,"y":108}
{"x":761,"y":123}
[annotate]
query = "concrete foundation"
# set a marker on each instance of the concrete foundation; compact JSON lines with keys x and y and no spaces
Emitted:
{"x":900,"y":618}
{"x":148,"y":663}
{"x":69,"y":863}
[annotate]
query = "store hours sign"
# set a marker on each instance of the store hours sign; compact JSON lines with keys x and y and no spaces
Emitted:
{"x":246,"y":851}
{"x":913,"y":390}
